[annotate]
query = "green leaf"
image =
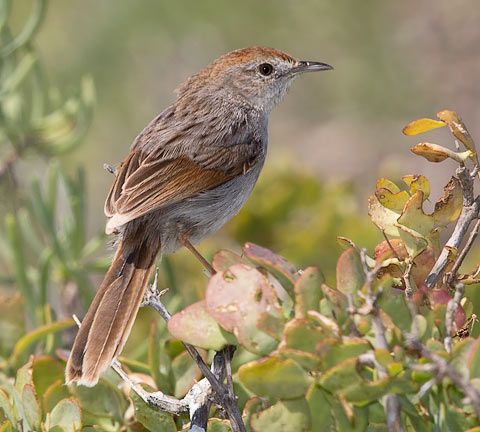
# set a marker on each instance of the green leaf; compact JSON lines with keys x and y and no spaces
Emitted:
{"x":332,"y":351}
{"x":393,"y":303}
{"x":417,"y":182}
{"x":185,"y":372}
{"x":24,"y":376}
{"x":308,"y":291}
{"x":46,"y":218}
{"x":54,"y":394}
{"x":66,"y":415}
{"x":76,"y":197}
{"x":347,"y":418}
{"x":320,"y":413}
{"x":473,"y":359}
{"x":304,"y":335}
{"x":28,"y":31}
{"x":45,"y":371}
{"x":308,"y":361}
{"x":394,"y":201}
{"x":284,"y":271}
{"x":236,"y":299}
{"x":35,"y":335}
{"x":415,"y":226}
{"x":61,"y":130}
{"x":274,"y":377}
{"x":16,"y":77}
{"x":7,"y":407}
{"x":105,"y":399}
{"x":384,"y":218}
{"x":367,"y":391}
{"x":6,"y":426}
{"x":350,"y":273}
{"x":224,"y":259}
{"x":194,"y":325}
{"x":153,"y":419}
{"x":16,"y":243}
{"x":341,"y":376}
{"x":31,"y":406}
{"x":285,"y":416}
{"x":217,"y":425}
{"x":154,"y":351}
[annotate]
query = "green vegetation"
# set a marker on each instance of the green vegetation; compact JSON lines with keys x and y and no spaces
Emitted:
{"x":325,"y":348}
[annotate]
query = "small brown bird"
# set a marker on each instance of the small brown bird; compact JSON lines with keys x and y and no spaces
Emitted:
{"x":188,"y":172}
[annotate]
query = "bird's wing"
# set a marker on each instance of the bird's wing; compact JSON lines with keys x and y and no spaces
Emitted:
{"x":163,"y":175}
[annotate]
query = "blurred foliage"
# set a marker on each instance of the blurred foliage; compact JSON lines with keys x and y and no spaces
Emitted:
{"x":319,"y":360}
{"x":295,"y":214}
{"x":299,"y":331}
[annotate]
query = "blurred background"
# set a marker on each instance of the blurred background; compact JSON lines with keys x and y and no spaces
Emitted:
{"x":334,"y":134}
{"x":394,"y":61}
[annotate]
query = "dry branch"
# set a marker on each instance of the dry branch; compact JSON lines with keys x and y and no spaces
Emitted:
{"x":221,"y":394}
{"x":470,"y":212}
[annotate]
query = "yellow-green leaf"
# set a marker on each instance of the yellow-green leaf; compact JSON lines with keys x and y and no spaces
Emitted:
{"x":422,"y":125}
{"x":417,"y":182}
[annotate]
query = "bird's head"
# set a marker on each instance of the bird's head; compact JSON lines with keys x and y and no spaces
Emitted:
{"x":260,"y":76}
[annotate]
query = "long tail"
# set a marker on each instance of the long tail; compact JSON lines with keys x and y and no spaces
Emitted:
{"x":109,"y":319}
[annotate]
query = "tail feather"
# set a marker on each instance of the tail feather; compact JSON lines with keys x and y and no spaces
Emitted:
{"x":109,"y":320}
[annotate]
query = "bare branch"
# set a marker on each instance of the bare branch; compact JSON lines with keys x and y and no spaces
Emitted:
{"x":221,"y":394}
{"x":156,"y":399}
{"x":452,"y":307}
{"x":443,"y":368}
{"x":406,"y":280}
{"x":456,"y":266}
{"x":470,"y":212}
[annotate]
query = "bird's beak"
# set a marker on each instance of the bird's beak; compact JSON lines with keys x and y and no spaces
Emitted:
{"x":309,"y":66}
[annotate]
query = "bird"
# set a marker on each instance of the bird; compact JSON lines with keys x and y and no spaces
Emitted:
{"x":187,"y":173}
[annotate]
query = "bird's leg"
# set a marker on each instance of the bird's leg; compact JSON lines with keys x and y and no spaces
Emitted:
{"x":185,"y":242}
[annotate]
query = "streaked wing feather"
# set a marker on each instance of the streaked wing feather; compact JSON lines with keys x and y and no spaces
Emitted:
{"x":159,"y":183}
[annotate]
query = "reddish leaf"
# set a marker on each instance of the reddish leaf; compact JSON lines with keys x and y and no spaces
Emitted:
{"x":236,"y":299}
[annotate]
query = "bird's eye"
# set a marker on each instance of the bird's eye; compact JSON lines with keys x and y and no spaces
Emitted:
{"x":265,"y":69}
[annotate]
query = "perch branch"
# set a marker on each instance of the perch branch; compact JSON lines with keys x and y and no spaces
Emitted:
{"x":156,"y":399}
{"x":197,"y":401}
{"x":220,"y":393}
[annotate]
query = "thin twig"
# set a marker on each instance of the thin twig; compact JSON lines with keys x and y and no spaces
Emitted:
{"x":406,"y":280}
{"x":227,"y":355}
{"x":443,"y":368}
{"x":452,"y":307}
{"x":391,"y":401}
{"x":390,"y":245}
{"x":199,"y":397}
{"x":155,"y":399}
